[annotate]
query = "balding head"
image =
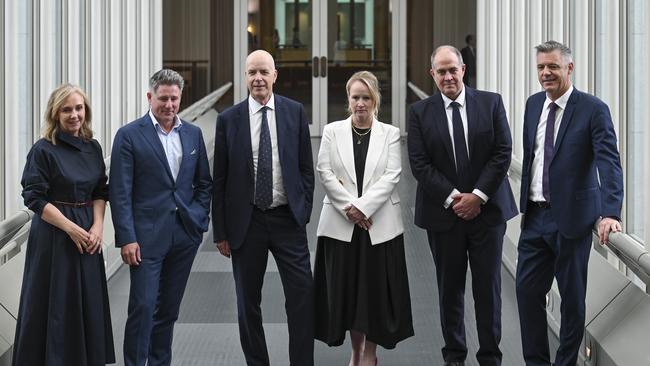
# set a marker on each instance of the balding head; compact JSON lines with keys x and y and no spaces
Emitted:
{"x":447,"y":70}
{"x":260,"y":75}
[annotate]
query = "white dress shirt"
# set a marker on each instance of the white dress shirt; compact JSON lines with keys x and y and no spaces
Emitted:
{"x":450,"y":125}
{"x":537,"y":168}
{"x":171,"y":143}
{"x":255,"y":116}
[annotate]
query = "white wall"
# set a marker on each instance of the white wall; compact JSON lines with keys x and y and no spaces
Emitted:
{"x":108,"y":48}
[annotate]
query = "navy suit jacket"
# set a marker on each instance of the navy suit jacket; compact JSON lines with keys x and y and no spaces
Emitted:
{"x":585,"y":147}
{"x":143,"y":193}
{"x":433,"y":164}
{"x":234,"y":181}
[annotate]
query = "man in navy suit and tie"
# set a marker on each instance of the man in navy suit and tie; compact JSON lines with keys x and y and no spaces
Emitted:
{"x":571,"y":177}
{"x":460,"y":147}
{"x":263,"y":191}
{"x":160,"y":189}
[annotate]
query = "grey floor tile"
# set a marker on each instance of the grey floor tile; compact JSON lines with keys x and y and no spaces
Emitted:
{"x":207,"y":334}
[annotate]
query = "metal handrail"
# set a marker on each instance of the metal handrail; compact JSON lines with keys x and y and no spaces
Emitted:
{"x":10,"y":226}
{"x":634,"y":255}
{"x":197,"y":109}
{"x":419,"y":92}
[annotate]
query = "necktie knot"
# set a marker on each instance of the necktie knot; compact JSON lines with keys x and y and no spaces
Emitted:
{"x":552,"y":107}
{"x":455,"y":105}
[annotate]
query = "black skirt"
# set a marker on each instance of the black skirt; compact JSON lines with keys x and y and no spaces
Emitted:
{"x":362,"y":287}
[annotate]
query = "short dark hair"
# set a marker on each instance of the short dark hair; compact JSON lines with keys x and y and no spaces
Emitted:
{"x":166,"y":77}
{"x":468,"y":38}
{"x":550,"y":46}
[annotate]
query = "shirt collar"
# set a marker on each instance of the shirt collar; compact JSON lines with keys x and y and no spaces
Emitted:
{"x":561,"y":101}
{"x":156,"y":124}
{"x":254,"y":106}
{"x":460,"y":99}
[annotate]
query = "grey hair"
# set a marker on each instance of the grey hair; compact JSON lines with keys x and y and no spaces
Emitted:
{"x":166,"y":77}
{"x":550,"y":46}
{"x":452,"y":49}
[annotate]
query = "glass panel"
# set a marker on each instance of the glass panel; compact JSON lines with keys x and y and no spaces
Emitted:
{"x":359,"y":38}
{"x":284,"y":29}
{"x":637,"y":112}
{"x":198,"y":43}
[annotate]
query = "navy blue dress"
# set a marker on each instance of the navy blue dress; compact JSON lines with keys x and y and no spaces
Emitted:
{"x":64,"y":315}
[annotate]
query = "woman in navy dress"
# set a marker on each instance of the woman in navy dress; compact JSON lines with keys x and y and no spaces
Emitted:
{"x":64,"y":316}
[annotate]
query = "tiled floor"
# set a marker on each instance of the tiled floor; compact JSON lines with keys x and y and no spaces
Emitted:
{"x":206,"y":332}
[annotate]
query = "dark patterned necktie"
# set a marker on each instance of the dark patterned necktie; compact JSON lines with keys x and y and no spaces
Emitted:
{"x":264,"y":178}
{"x":462,"y":160}
{"x":548,"y":150}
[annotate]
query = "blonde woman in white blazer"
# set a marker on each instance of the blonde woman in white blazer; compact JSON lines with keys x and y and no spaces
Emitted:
{"x":361,"y":283}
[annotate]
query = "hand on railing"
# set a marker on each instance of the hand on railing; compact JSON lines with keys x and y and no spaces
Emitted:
{"x":606,"y":226}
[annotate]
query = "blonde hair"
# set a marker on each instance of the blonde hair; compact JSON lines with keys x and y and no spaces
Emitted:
{"x":54,"y":104}
{"x":370,"y":80}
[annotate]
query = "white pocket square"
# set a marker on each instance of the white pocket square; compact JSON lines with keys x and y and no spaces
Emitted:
{"x":193,"y":152}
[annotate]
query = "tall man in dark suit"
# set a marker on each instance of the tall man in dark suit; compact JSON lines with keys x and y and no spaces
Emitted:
{"x":160,"y":200}
{"x":263,"y":191}
{"x":571,"y":176}
{"x":459,"y":147}
{"x":469,"y":57}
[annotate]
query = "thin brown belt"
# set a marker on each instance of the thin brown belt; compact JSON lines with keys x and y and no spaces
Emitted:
{"x":74,"y":204}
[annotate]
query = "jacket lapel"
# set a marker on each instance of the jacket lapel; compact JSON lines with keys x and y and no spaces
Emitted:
{"x":375,"y":146}
{"x":281,"y":127}
{"x":243,"y":136}
{"x":472,"y":119}
{"x":534,"y":115}
{"x":440,"y":121}
{"x":345,"y":149}
{"x":566,"y":120}
{"x":187,"y":147}
{"x":151,"y":136}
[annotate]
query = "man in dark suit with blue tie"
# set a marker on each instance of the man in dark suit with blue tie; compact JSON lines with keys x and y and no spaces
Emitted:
{"x":571,"y":177}
{"x":460,"y":147}
{"x":160,"y":189}
{"x":263,"y":191}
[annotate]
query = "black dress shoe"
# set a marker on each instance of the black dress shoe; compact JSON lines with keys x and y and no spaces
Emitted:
{"x":455,"y":363}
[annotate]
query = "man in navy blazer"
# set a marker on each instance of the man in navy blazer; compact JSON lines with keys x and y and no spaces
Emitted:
{"x":263,"y":192}
{"x":571,"y":176}
{"x":160,"y":189}
{"x":460,"y":147}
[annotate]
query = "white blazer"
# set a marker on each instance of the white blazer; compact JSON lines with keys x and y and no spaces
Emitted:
{"x":379,"y":200}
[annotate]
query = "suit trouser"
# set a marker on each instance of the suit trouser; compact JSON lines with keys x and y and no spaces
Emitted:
{"x":543,"y":254}
{"x":276,"y":231}
{"x":157,"y":288}
{"x":482,"y":246}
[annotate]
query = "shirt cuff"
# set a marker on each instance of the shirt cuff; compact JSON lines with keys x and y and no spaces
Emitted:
{"x":449,"y":200}
{"x":481,"y":195}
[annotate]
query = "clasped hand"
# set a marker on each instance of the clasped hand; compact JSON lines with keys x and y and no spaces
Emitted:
{"x":88,"y":241}
{"x":358,"y":217}
{"x":466,"y":205}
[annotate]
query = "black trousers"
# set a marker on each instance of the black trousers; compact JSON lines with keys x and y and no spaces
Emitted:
{"x":480,"y":245}
{"x":276,"y":231}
